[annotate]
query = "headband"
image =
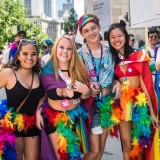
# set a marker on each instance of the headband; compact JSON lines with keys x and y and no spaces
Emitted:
{"x":84,"y":20}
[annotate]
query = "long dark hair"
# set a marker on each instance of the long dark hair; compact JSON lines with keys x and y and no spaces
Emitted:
{"x":15,"y":63}
{"x":127,"y":48}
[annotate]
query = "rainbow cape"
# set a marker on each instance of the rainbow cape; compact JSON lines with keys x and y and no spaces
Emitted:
{"x":140,"y":61}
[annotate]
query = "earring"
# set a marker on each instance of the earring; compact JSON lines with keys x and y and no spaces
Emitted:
{"x":37,"y":63}
{"x":17,"y":62}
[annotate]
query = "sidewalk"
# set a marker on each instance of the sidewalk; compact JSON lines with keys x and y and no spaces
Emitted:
{"x":113,"y":150}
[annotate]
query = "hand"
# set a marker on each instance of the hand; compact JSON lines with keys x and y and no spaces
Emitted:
{"x":39,"y":118}
{"x":94,"y":89}
{"x":155,"y":121}
{"x":59,"y":91}
{"x":117,"y":89}
{"x":80,"y":87}
{"x":17,"y":39}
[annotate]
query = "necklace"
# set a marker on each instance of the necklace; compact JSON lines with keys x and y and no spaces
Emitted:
{"x":65,"y":70}
{"x":126,"y":81}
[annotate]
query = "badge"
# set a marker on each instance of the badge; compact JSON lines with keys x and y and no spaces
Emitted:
{"x":129,"y":69}
{"x":75,"y":101}
{"x":100,"y":93}
{"x":100,"y":96}
{"x":69,"y":83}
{"x":65,"y":103}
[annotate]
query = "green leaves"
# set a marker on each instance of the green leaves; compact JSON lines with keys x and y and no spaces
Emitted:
{"x":71,"y":24}
{"x":12,"y":13}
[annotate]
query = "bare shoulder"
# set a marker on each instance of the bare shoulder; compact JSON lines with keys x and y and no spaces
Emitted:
{"x":6,"y":72}
{"x":5,"y":76}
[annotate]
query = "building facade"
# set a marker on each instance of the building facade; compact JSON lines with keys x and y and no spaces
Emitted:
{"x":120,"y":9}
{"x":49,"y":14}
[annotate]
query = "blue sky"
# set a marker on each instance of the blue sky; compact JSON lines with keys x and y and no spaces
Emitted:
{"x":79,"y":7}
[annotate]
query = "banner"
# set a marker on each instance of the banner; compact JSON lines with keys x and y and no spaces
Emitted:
{"x":143,"y":13}
{"x":101,"y":8}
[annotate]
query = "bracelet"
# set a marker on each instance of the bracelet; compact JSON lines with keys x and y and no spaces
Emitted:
{"x":86,"y":95}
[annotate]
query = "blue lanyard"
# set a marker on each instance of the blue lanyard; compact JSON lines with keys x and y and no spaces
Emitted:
{"x":97,"y":72}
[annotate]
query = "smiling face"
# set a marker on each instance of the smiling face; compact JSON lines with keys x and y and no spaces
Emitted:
{"x":28,"y":56}
{"x":153,"y":39}
{"x":90,"y":32}
{"x":64,"y":51}
{"x":117,"y":40}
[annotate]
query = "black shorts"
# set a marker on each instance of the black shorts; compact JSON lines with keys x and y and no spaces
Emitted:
{"x":29,"y":133}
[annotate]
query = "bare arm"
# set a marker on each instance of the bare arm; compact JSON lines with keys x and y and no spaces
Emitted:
{"x":117,"y":89}
{"x":158,"y":66}
{"x":39,"y":118}
{"x":5,"y":75}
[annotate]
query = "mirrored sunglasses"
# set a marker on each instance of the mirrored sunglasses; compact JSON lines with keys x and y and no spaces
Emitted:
{"x":26,"y":41}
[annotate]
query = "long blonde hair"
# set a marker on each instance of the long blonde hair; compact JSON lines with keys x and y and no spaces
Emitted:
{"x":76,"y":68}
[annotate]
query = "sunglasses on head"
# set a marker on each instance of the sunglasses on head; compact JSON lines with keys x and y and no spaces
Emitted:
{"x":26,"y":41}
{"x":153,"y":36}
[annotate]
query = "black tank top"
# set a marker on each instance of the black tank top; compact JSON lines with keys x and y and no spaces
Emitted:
{"x":18,"y":93}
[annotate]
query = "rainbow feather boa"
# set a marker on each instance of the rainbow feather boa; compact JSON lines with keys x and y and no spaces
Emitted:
{"x":68,"y":141}
{"x":141,"y":132}
{"x":109,"y":114}
{"x":9,"y":122}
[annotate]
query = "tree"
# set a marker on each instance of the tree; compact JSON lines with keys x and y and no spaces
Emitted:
{"x":71,"y":24}
{"x":34,"y":32}
{"x":12,"y":13}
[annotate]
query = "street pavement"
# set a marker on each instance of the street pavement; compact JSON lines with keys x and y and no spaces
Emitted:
{"x":113,"y":150}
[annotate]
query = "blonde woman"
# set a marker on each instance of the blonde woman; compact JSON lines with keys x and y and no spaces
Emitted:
{"x":65,"y":80}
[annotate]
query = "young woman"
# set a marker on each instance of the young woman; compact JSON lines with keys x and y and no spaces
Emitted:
{"x":65,"y":80}
{"x":98,"y":61}
{"x":138,"y":100}
{"x":23,"y":90}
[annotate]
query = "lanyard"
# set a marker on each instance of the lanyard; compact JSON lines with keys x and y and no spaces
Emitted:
{"x":68,"y":81}
{"x":97,"y":72}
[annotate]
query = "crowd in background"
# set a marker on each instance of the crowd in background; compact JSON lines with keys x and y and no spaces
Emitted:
{"x":74,"y":88}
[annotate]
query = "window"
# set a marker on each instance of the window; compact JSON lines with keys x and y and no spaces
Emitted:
{"x":47,"y":7}
{"x":27,"y":5}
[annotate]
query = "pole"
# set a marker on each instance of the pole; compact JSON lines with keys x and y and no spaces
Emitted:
{"x":146,"y":35}
{"x":90,"y":7}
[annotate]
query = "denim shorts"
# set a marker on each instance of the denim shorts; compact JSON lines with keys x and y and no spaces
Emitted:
{"x":96,"y":128}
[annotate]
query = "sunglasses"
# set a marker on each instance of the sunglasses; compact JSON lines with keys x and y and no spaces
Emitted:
{"x":133,"y":40}
{"x":153,"y":36}
{"x":26,"y":41}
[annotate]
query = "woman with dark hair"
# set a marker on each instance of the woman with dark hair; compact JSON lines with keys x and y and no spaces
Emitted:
{"x":138,"y":100}
{"x":17,"y":115}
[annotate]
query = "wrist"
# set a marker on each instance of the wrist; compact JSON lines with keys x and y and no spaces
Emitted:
{"x":86,"y":94}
